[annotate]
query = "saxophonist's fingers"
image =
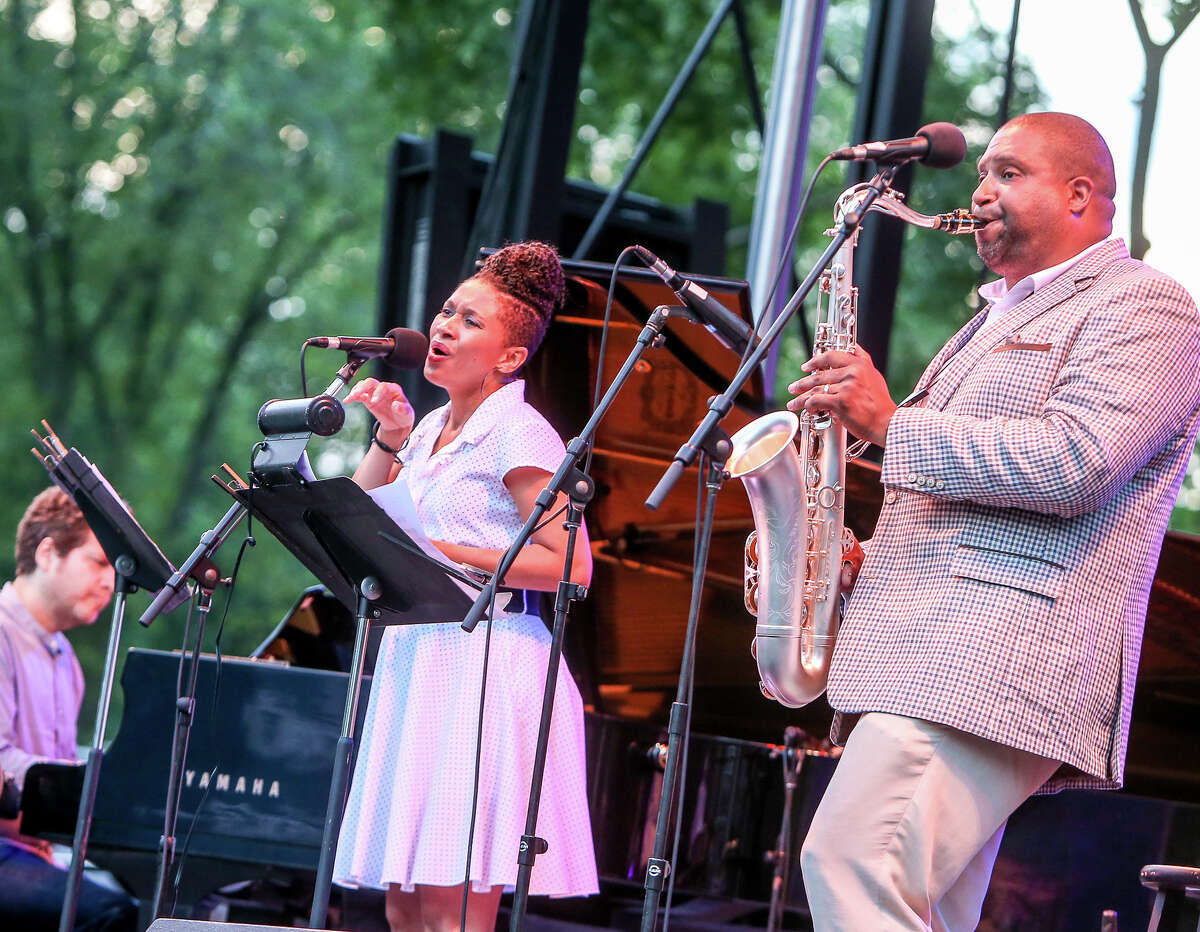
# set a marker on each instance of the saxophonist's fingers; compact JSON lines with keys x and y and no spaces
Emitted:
{"x":834,"y":359}
{"x":816,"y":379}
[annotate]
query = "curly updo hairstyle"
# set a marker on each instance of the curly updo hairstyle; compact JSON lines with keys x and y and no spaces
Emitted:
{"x":530,"y":275}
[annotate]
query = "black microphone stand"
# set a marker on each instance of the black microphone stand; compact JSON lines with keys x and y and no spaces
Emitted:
{"x":185,"y":708}
{"x":713,"y":455}
{"x":199,"y":567}
{"x":708,"y":440}
{"x":276,"y":460}
{"x":579,"y":489}
{"x":137,"y":562}
{"x":580,"y":493}
{"x":792,"y":757}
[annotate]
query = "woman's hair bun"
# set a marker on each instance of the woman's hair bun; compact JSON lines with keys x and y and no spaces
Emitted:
{"x":531,"y":274}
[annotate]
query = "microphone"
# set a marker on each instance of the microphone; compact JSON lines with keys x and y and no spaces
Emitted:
{"x":727,"y":326}
{"x":938,"y":145}
{"x":401,"y":348}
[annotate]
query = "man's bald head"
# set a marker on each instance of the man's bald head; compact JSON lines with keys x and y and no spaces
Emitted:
{"x":1077,"y":147}
{"x":1045,"y":193}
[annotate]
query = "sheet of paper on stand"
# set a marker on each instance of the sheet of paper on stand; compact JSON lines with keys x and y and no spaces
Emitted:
{"x":395,"y":499}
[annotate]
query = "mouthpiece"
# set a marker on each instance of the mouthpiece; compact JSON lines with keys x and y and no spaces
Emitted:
{"x":959,"y":220}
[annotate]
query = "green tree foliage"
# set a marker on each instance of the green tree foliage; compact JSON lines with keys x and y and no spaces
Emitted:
{"x":189,"y":189}
{"x":1179,"y":15}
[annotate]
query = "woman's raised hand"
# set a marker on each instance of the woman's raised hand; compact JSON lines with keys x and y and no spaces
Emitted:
{"x":388,"y":405}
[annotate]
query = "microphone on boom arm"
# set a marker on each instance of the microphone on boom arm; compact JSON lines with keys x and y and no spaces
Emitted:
{"x":938,"y":145}
{"x":324,"y":415}
{"x":727,"y":326}
{"x":401,"y":348}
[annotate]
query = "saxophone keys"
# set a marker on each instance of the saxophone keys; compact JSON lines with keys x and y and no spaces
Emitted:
{"x":750,"y":574}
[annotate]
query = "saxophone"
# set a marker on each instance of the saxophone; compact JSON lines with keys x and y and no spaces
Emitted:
{"x":793,"y":558}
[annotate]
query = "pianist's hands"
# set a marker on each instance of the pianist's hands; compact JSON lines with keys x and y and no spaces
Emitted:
{"x":387,"y":404}
{"x":10,"y":821}
{"x":10,"y":797}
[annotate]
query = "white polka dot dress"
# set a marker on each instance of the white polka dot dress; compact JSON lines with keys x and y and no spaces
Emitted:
{"x":409,"y":808}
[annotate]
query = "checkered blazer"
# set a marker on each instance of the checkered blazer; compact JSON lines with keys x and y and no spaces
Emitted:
{"x":1005,"y":588}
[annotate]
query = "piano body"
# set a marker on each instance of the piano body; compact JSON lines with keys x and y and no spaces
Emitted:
{"x":270,"y":735}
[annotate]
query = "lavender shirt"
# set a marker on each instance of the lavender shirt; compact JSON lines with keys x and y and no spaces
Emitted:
{"x":41,"y":688}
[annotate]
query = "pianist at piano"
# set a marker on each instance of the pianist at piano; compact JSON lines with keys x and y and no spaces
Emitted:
{"x":474,"y":468}
{"x":63,"y":580}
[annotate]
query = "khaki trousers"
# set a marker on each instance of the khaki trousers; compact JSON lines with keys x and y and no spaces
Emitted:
{"x":907,"y":832}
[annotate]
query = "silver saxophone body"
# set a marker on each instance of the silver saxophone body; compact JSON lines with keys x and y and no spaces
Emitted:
{"x":794,"y":470}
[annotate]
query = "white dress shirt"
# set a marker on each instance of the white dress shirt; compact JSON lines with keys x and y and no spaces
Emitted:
{"x":1002,"y":298}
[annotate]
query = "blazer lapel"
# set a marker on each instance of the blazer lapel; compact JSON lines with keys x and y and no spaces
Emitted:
{"x":957,"y":364}
{"x":956,"y":343}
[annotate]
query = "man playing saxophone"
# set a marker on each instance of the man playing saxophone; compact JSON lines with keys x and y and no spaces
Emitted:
{"x":991,"y":642}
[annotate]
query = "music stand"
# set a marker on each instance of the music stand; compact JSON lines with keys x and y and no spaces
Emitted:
{"x":137,"y":562}
{"x":373,"y":568}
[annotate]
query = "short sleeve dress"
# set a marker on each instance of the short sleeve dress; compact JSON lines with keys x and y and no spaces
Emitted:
{"x":409,"y":808}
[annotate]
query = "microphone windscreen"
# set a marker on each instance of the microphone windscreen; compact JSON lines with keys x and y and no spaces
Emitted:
{"x":411,"y":348}
{"x":947,"y":145}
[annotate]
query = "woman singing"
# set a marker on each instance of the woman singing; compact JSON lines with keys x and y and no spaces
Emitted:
{"x":474,"y":468}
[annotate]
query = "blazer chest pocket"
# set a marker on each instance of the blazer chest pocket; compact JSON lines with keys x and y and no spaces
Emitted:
{"x":1014,"y":570}
{"x":1027,"y":375}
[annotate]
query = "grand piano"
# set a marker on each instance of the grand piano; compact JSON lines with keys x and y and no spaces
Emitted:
{"x":262,"y":746}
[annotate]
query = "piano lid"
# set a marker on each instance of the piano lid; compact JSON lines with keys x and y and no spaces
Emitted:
{"x":1172,"y":641}
{"x":317,"y":633}
{"x":659,"y":406}
{"x":1163,"y":757}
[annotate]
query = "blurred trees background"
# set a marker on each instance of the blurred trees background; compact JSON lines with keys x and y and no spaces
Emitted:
{"x":189,"y":188}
